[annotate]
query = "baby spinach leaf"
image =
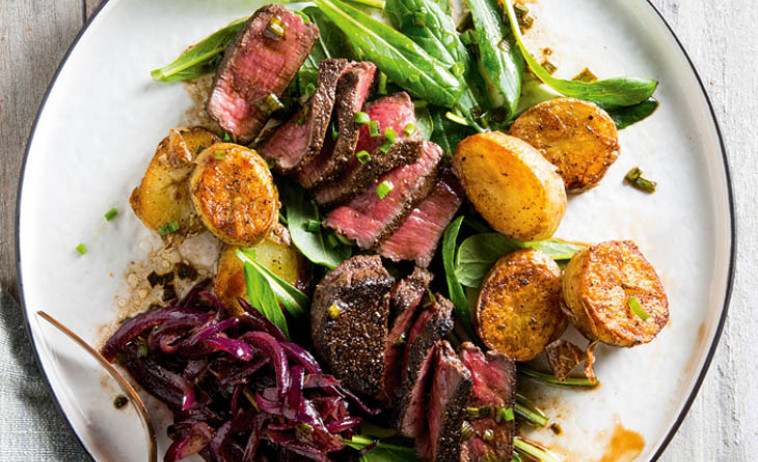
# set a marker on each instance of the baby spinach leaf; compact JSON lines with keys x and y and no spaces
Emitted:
{"x":300,"y":211}
{"x":447,"y":134}
{"x":394,"y":449}
{"x":630,"y":115}
{"x":406,"y":63}
{"x":293,"y":300}
{"x":424,"y":121}
{"x":262,"y":297}
{"x":478,"y":253}
{"x":623,"y":91}
{"x":500,"y":60}
{"x":199,"y":59}
{"x":457,"y":296}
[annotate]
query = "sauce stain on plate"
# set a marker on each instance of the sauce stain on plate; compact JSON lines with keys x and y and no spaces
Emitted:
{"x":624,"y":446}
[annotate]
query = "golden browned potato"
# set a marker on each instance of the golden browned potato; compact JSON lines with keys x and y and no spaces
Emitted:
{"x":511,"y":185}
{"x":162,"y":198}
{"x":598,"y":287}
{"x":518,"y":311}
{"x":276,"y":253}
{"x":234,"y":194}
{"x":576,"y":136}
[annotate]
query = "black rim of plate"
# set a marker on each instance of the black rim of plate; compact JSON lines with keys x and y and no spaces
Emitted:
{"x":732,"y":257}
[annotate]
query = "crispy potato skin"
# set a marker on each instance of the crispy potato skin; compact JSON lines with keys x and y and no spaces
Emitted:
{"x":597,"y":286}
{"x":234,"y":194}
{"x":576,"y":136}
{"x":511,"y":185}
{"x":518,"y":311}
{"x":276,"y":253}
{"x":163,"y":194}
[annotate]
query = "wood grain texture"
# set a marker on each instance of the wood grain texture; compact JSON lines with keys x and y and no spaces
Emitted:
{"x":720,"y":37}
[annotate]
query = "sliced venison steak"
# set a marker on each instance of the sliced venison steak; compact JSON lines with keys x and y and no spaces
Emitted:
{"x":432,"y":325}
{"x":451,"y":387}
{"x":494,"y":377}
{"x":405,"y":298}
{"x":349,"y":316}
{"x":302,"y":137}
{"x":352,"y":91}
{"x":396,"y":112}
{"x":258,"y":64}
{"x":420,"y":233}
{"x":369,"y":218}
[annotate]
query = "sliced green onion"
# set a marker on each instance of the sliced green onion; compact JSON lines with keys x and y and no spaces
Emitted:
{"x":543,"y":455}
{"x":343,"y":240}
{"x":586,"y":76}
{"x":313,"y":226}
{"x":530,"y":412}
{"x":504,"y":414}
{"x":309,"y":90}
{"x":81,"y":248}
{"x":301,"y":120}
{"x":489,"y":435}
{"x":362,"y":118}
{"x":637,"y":309}
{"x":385,"y":147}
{"x":270,"y":104}
{"x":226,"y":137}
{"x":384,"y":188}
{"x":410,"y":130}
{"x":382,"y":86}
{"x":363,"y":156}
{"x":168,"y":228}
{"x":570,"y":382}
{"x":373,"y":128}
{"x":219,"y":155}
{"x":634,"y":177}
{"x":276,"y":28}
{"x":334,"y":312}
{"x":111,"y":214}
{"x":456,"y":118}
{"x":467,"y":431}
{"x":390,"y":135}
{"x":335,"y":133}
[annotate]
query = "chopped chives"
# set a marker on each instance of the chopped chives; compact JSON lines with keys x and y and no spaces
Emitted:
{"x":168,"y":228}
{"x":300,"y":120}
{"x":382,"y":87}
{"x":504,"y":414}
{"x":225,"y":136}
{"x":362,"y":118}
{"x":334,"y":132}
{"x":636,"y":307}
{"x":456,"y":118}
{"x":313,"y":226}
{"x":390,"y":134}
{"x":270,"y":104}
{"x":586,"y":76}
{"x":385,"y":147}
{"x":363,"y":156}
{"x":219,"y":155}
{"x":81,"y":248}
{"x":276,"y":29}
{"x":634,"y":178}
{"x":111,"y":214}
{"x":384,"y":189}
{"x":373,"y":128}
{"x":410,"y":130}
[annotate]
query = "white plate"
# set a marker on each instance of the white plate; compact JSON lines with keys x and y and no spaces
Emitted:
{"x":103,"y":117}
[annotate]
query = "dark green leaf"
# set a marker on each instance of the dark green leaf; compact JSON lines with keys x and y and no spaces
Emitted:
{"x":447,"y":133}
{"x":501,"y":62}
{"x":314,"y":246}
{"x":293,"y":300}
{"x":630,"y":115}
{"x":396,"y":55}
{"x":479,"y":252}
{"x":457,"y":296}
{"x":198,"y":60}
{"x":424,"y":121}
{"x":624,"y":91}
{"x":262,"y":297}
{"x":388,"y":450}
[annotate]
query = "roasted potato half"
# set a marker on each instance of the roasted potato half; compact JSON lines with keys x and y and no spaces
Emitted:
{"x":576,"y":136}
{"x":511,"y":185}
{"x":518,"y":311}
{"x":234,"y":194}
{"x":598,"y":285}
{"x":162,"y":198}
{"x":275,"y":252}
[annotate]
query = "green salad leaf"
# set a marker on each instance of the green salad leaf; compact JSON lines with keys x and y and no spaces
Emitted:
{"x":446,"y":133}
{"x":199,"y":59}
{"x":478,"y":253}
{"x":293,"y":300}
{"x":623,"y":91}
{"x":454,"y":287}
{"x":262,"y":297}
{"x":394,"y":449}
{"x":630,"y":115}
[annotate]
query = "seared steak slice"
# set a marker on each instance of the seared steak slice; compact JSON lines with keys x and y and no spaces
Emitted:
{"x":352,"y":91}
{"x":369,"y":218}
{"x":360,"y":177}
{"x":301,"y":138}
{"x":418,"y":237}
{"x":395,"y":112}
{"x":494,"y":376}
{"x":432,"y":325}
{"x":349,"y":323}
{"x":405,"y":298}
{"x":258,"y":64}
{"x":451,"y":387}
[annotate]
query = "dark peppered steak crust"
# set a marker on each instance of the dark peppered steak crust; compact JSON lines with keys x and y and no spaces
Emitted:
{"x":350,"y":339}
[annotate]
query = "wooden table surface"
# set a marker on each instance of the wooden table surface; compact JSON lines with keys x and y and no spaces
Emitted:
{"x":720,"y":36}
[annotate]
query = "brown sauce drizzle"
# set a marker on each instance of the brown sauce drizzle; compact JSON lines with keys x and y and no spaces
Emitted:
{"x":624,"y":446}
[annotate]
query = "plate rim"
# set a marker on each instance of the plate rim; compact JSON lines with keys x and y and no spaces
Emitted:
{"x":730,"y":196}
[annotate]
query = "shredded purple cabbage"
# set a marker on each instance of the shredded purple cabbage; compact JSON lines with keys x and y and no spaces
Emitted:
{"x":237,"y":388}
